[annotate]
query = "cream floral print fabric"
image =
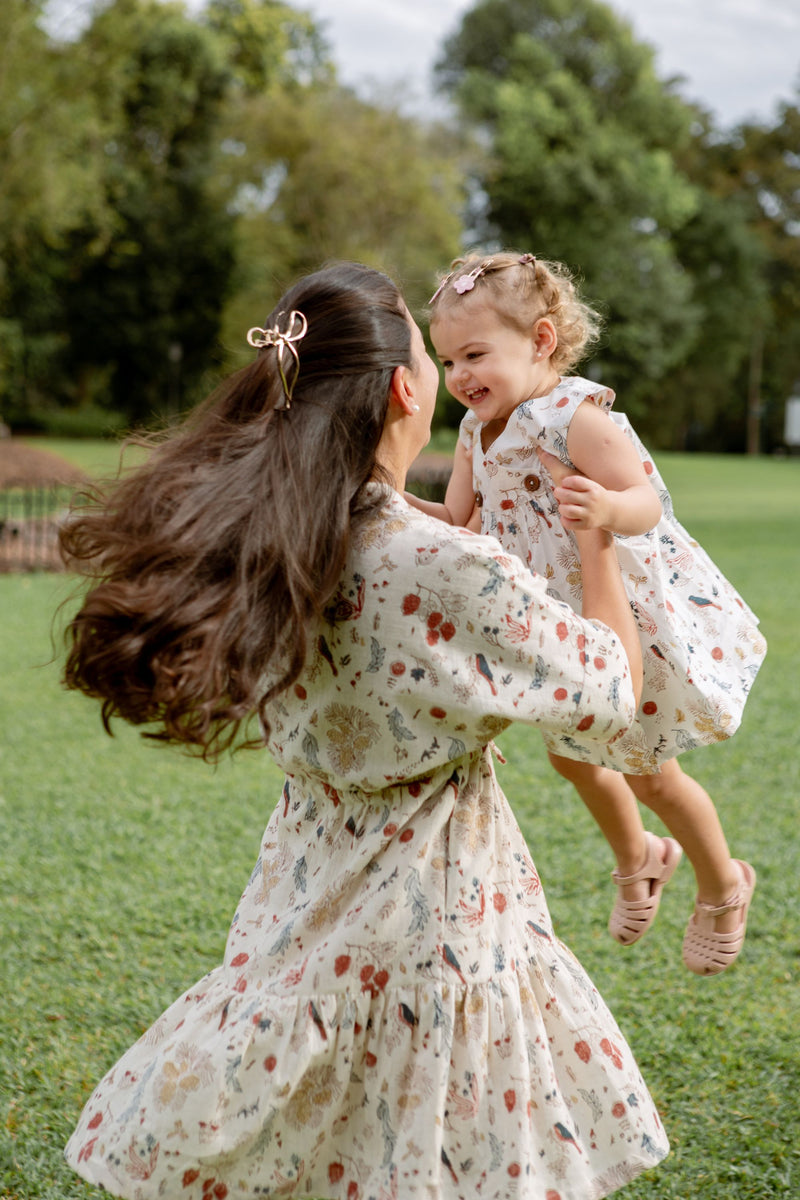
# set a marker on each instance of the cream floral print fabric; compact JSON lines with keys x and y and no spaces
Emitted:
{"x":701,"y":647}
{"x":394,"y":1016}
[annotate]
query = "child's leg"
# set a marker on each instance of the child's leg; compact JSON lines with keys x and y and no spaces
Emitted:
{"x":613,"y":805}
{"x":644,"y":862}
{"x":688,"y":812}
{"x":716,"y":929}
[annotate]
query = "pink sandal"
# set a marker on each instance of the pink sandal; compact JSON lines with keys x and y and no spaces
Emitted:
{"x":631,"y":918}
{"x":707,"y":952}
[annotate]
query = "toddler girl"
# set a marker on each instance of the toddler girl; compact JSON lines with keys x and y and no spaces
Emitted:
{"x":507,"y":329}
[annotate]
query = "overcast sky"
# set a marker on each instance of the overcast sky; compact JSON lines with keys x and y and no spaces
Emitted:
{"x":738,"y":57}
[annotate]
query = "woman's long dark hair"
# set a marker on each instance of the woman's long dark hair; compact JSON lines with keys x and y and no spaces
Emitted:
{"x":209,"y":563}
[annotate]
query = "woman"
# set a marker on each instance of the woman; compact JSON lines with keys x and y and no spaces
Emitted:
{"x":394,"y":1015}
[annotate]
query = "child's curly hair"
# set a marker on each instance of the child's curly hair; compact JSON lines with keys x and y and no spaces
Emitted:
{"x":523,"y":289}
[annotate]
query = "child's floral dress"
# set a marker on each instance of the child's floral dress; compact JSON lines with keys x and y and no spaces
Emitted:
{"x":394,"y":1016}
{"x":701,"y":646}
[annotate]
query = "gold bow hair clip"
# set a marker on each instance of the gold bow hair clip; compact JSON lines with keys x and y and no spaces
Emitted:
{"x":283,"y":339}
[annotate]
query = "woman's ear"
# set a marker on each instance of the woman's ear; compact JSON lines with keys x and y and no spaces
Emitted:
{"x":402,"y":391}
{"x":545,"y":338}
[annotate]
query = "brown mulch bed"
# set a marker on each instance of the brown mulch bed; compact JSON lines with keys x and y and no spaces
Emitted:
{"x":30,"y":542}
{"x":35,"y":486}
{"x":431,"y":468}
{"x":27,"y":466}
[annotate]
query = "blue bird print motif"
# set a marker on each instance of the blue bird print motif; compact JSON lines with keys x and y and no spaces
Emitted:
{"x":451,"y":960}
{"x":704,"y":602}
{"x":564,"y":1135}
{"x":485,"y":672}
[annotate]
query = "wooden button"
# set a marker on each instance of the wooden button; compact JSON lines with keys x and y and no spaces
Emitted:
{"x":532,"y":483}
{"x":479,"y":499}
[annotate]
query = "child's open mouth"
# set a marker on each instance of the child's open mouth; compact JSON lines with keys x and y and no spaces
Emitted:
{"x":477,"y":394}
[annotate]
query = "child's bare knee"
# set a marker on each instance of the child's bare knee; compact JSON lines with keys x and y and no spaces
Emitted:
{"x":572,"y":770}
{"x":657,"y":790}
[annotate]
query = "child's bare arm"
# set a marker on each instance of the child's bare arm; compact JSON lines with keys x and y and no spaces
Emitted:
{"x":459,"y":500}
{"x":433,"y":508}
{"x":613,"y":492}
{"x":474,"y":522}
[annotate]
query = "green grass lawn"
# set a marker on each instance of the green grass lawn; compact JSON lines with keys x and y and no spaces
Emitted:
{"x":121,"y":866}
{"x":96,"y":456}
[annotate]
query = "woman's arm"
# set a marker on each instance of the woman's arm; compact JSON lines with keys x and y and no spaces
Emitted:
{"x":613,"y":492}
{"x":604,"y":597}
{"x":459,"y":500}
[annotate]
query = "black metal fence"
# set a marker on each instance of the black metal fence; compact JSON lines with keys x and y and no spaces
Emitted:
{"x":30,"y":515}
{"x":29,"y":520}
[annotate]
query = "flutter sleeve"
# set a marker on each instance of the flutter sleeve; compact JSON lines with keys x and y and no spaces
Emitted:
{"x":546,"y":419}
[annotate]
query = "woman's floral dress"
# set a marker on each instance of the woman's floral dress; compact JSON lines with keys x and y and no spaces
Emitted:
{"x":394,"y":1016}
{"x":701,"y":647}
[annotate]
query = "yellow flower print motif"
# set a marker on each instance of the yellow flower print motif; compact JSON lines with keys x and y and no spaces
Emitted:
{"x":350,"y":733}
{"x":378,"y":533}
{"x":571,"y":569}
{"x":188,"y":1069}
{"x":310,"y":1102}
{"x":639,"y":760}
{"x":327,"y":912}
{"x":474,"y":817}
{"x":715,"y":723}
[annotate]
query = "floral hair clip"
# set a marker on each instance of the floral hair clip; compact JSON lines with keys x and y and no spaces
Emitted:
{"x":464,"y":283}
{"x":527,"y":260}
{"x":283,"y":339}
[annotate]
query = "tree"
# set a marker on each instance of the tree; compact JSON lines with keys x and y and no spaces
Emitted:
{"x":759,"y":165}
{"x":141,"y":304}
{"x":703,"y":404}
{"x":582,"y":146}
{"x":49,"y":184}
{"x":227,"y":160}
{"x":324,"y":175}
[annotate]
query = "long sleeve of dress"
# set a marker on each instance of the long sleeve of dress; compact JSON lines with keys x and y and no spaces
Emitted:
{"x":437,"y":640}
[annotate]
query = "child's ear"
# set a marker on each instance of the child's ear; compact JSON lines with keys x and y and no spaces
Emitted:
{"x":545,"y":338}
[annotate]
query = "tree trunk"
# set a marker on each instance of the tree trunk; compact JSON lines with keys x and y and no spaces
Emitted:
{"x":754,"y":392}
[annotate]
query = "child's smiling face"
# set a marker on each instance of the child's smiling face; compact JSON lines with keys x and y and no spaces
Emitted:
{"x":489,"y":366}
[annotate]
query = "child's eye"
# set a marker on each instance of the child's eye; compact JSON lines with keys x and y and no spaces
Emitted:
{"x":475,"y":354}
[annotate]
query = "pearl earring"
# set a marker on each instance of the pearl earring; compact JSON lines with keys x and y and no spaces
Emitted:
{"x":415,"y":408}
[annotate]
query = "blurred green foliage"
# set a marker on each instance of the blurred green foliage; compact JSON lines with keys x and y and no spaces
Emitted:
{"x":167,"y":171}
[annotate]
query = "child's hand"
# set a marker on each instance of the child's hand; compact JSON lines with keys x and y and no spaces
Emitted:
{"x":582,"y":503}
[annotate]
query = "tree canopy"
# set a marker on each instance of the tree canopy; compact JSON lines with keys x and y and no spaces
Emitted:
{"x":166,"y":172}
{"x":217,"y":158}
{"x":593,"y":161}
